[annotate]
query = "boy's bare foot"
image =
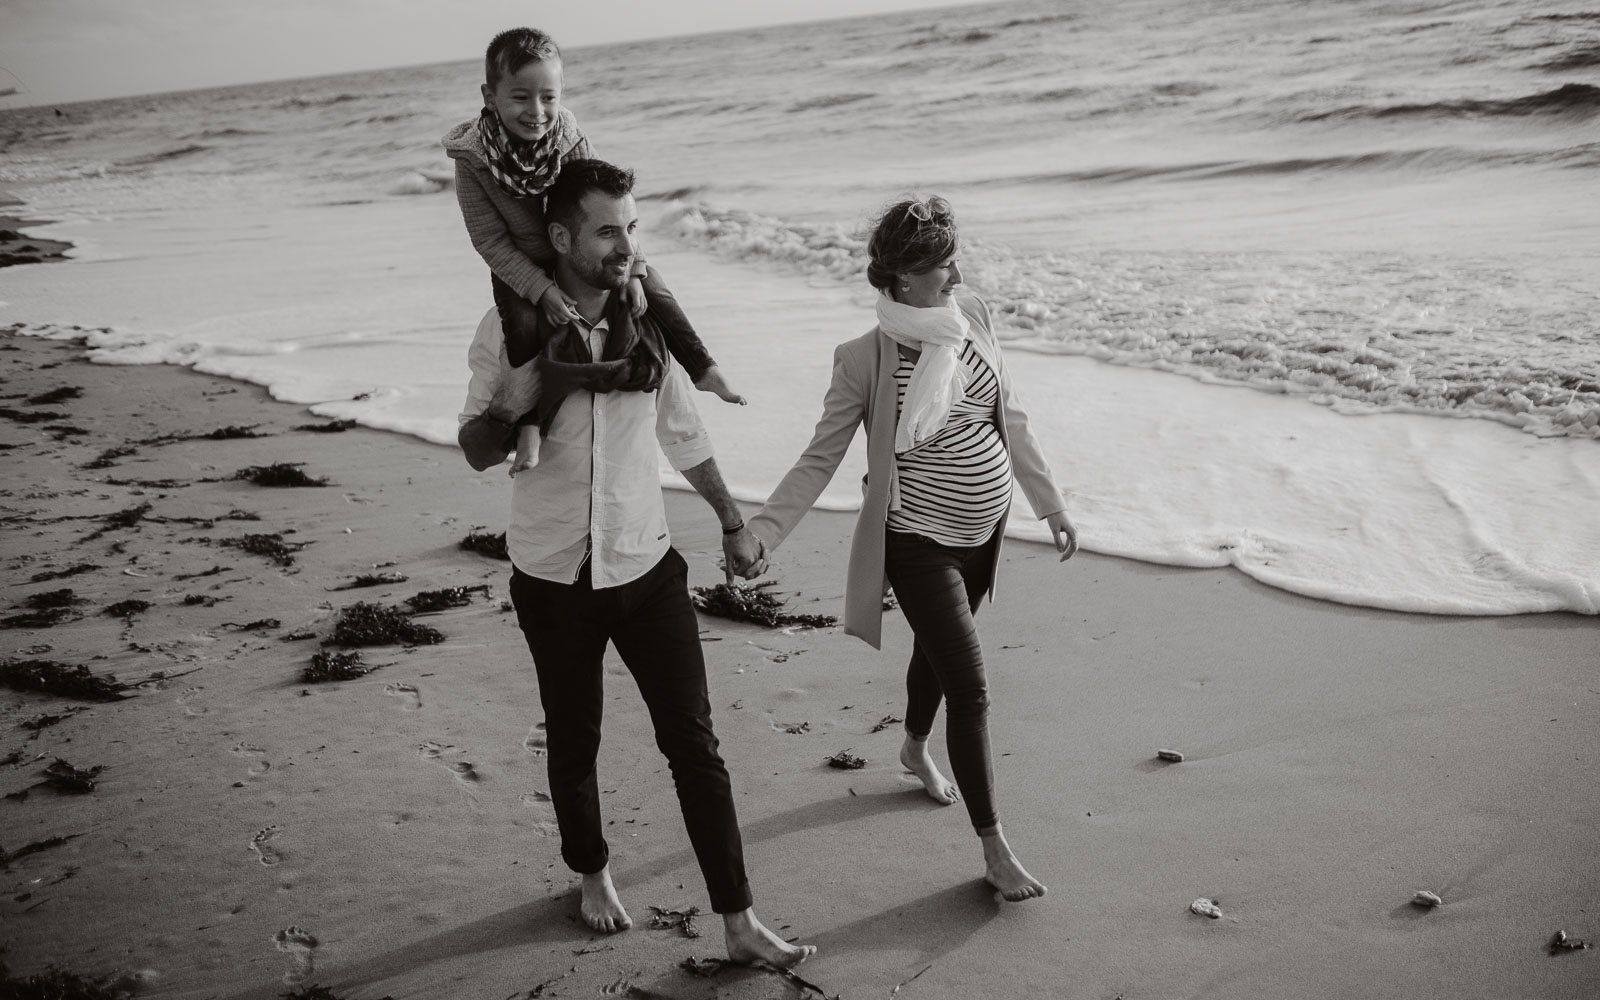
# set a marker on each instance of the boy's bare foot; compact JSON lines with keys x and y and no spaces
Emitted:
{"x":750,"y":941}
{"x":916,"y":759}
{"x":711,"y":380}
{"x":1002,"y":870}
{"x":527,"y":450}
{"x":600,"y":907}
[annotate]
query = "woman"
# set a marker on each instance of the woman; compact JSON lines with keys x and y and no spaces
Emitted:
{"x":945,"y":435}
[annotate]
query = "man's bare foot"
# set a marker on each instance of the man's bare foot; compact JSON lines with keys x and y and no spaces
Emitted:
{"x":711,"y":380}
{"x":916,"y":759}
{"x":600,"y":907}
{"x":1002,"y":870}
{"x":750,"y":941}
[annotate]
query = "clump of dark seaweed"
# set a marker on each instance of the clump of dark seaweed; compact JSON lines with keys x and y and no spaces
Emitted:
{"x":278,"y":474}
{"x":69,"y":680}
{"x":62,"y":776}
{"x":44,"y":720}
{"x":63,"y":598}
{"x":63,"y":431}
{"x":232,"y":432}
{"x":60,"y":573}
{"x":483,"y":543}
{"x":372,"y":580}
{"x":57,"y":395}
{"x":662,"y":918}
{"x":449,"y":597}
{"x":315,"y":992}
{"x":272,"y":546}
{"x":30,"y":416}
{"x":844,"y":760}
{"x":331,"y":427}
{"x":201,"y":600}
{"x":127,"y":609}
{"x":365,"y":624}
{"x":753,"y":604}
{"x":257,"y":625}
{"x":58,"y":984}
{"x":885,"y":723}
{"x":106,"y":459}
{"x":42,"y":618}
{"x":326,"y":666}
{"x":122,"y":519}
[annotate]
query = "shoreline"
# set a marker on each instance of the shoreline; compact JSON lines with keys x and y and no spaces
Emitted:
{"x":387,"y":835}
{"x":16,"y":247}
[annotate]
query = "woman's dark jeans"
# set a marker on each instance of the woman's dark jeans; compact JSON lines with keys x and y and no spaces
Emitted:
{"x":939,"y":588}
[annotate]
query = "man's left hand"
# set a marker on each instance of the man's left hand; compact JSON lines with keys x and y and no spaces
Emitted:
{"x":743,"y":554}
{"x":1065,"y":535}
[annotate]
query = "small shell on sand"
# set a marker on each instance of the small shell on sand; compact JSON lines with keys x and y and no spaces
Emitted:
{"x":1205,"y":908}
{"x":1426,"y":899}
{"x":1172,"y":755}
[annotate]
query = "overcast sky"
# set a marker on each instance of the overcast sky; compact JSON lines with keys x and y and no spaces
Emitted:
{"x":55,"y":51}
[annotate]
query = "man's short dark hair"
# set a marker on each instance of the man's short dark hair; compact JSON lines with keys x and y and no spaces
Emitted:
{"x":515,"y":48}
{"x":563,"y":200}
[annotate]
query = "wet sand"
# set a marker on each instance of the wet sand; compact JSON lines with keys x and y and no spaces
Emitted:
{"x":251,"y":833}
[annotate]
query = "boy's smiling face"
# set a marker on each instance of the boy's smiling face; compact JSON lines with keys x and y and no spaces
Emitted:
{"x":528,"y":100}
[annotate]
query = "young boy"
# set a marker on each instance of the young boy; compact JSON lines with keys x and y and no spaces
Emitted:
{"x":505,"y":160}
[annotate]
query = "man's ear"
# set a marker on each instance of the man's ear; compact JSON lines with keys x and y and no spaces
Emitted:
{"x":559,"y":237}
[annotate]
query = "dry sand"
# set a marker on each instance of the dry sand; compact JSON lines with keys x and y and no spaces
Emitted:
{"x":391,"y":836}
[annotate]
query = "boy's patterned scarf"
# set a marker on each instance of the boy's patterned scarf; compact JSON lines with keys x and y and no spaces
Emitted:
{"x":522,"y":168}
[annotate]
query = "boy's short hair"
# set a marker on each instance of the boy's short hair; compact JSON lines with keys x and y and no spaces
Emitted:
{"x":515,"y":48}
{"x":562,"y":200}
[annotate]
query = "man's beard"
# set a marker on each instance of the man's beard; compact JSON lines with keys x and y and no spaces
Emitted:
{"x":598,"y":273}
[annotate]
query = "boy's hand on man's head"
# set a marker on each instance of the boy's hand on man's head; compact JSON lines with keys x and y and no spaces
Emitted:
{"x":559,"y":307}
{"x":633,"y":297}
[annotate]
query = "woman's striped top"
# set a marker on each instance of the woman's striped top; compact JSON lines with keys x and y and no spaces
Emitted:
{"x":955,"y":487}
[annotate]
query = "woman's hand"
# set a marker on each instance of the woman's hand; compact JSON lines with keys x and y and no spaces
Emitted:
{"x":559,"y":307}
{"x":633,"y":297}
{"x":1064,"y":533}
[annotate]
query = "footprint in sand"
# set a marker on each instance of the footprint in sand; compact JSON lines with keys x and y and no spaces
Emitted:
{"x":541,"y":803}
{"x":186,"y":699}
{"x":410,"y":697}
{"x":302,"y":948}
{"x":536,"y":743}
{"x":265,"y":852}
{"x":261,"y":766}
{"x":464,"y":772}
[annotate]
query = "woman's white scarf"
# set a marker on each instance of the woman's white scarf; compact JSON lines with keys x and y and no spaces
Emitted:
{"x":939,"y":378}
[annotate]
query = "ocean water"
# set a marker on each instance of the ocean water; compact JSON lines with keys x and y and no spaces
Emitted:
{"x":1308,"y":290}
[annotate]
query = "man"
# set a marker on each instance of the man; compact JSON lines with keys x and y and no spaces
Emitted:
{"x":592,"y":563}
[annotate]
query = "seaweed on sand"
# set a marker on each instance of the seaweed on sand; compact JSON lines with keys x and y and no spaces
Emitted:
{"x":119,"y":520}
{"x":40,"y":618}
{"x":127,"y":609}
{"x":844,"y":760}
{"x":270,"y":545}
{"x":57,"y":395}
{"x":483,"y":543}
{"x":372,"y":580}
{"x":30,"y":416}
{"x":753,"y":604}
{"x":449,"y":597}
{"x":331,"y":427}
{"x":663,"y":918}
{"x":64,"y":777}
{"x":57,"y":574}
{"x":278,"y":474}
{"x":53,"y":677}
{"x":315,"y":992}
{"x":62,"y":598}
{"x":106,"y":459}
{"x":58,"y":984}
{"x":326,"y":666}
{"x":366,"y":624}
{"x":232,"y":432}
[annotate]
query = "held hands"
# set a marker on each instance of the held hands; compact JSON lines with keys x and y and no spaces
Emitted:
{"x":633,"y":297}
{"x":743,"y":554}
{"x":1065,"y":535}
{"x":559,"y":308}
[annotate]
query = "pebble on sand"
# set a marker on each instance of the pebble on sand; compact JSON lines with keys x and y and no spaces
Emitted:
{"x":1171,"y":755}
{"x":1426,"y":899}
{"x":1206,"y":908}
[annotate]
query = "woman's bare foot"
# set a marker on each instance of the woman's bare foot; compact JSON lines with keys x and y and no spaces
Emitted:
{"x":1002,"y":870}
{"x":916,"y":759}
{"x":711,"y":380}
{"x":600,"y":907}
{"x":750,"y":941}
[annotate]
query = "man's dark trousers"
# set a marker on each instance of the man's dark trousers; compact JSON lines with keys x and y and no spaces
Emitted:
{"x":653,"y":626}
